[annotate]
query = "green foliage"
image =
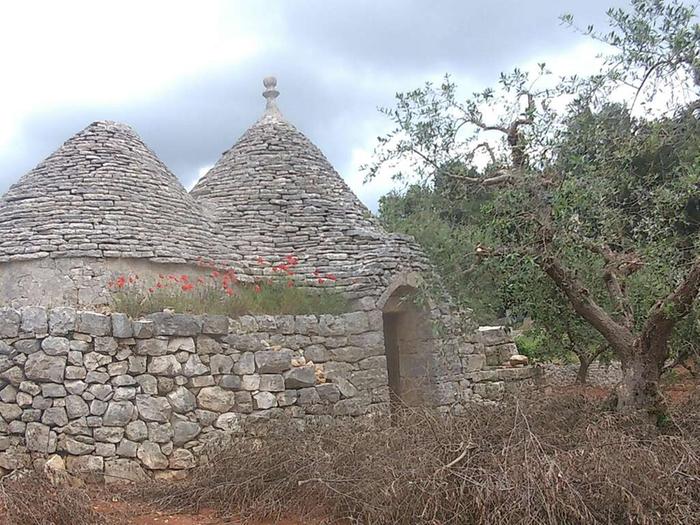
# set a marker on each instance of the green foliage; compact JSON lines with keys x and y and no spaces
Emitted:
{"x":446,"y":228}
{"x":209,"y":297}
{"x":600,"y":174}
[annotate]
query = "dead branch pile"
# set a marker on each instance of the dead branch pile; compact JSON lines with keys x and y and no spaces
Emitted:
{"x":29,"y":498}
{"x":552,"y":461}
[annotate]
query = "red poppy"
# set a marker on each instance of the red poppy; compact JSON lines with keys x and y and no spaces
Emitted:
{"x":187,"y":287}
{"x":159,"y":285}
{"x":200,"y":280}
{"x":331,"y":277}
{"x":290,"y":284}
{"x":257,"y":288}
{"x":184,"y":278}
{"x":229,"y":292}
{"x":121,"y":281}
{"x":215,"y":274}
{"x":320,"y":280}
{"x":151,"y":290}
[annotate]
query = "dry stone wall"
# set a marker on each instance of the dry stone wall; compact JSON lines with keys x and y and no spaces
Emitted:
{"x":124,"y":397}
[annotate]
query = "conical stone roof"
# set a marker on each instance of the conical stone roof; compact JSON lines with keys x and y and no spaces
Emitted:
{"x":275,"y":193}
{"x":104,"y":193}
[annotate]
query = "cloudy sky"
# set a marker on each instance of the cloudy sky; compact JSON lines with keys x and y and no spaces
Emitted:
{"x":188,"y":75}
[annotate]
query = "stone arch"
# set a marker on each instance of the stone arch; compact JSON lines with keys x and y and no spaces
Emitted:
{"x":408,"y":346}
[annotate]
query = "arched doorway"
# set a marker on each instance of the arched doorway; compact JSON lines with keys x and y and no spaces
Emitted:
{"x":407,"y":346}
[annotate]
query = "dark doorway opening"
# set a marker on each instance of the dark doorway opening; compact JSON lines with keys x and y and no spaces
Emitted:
{"x":407,"y":347}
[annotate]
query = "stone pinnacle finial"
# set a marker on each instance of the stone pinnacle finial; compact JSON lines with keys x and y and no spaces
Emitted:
{"x":270,"y":92}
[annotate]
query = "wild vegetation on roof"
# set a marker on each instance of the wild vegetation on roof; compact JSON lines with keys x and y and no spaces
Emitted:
{"x":221,"y":292}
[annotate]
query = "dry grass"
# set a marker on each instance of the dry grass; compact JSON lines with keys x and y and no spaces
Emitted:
{"x":558,"y":460}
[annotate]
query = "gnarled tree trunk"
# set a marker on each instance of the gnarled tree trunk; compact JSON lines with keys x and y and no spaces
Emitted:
{"x":582,"y":373}
{"x":642,"y":353}
{"x":639,"y":389}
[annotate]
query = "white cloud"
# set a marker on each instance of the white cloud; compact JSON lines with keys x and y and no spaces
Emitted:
{"x":62,"y":54}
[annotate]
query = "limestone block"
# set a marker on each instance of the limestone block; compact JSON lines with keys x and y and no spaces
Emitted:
{"x":121,"y":326}
{"x":106,"y":345}
{"x":317,"y":353}
{"x":27,"y":346}
{"x":159,"y":432}
{"x":245,"y":364}
{"x":151,"y":408}
{"x":136,"y":431}
{"x":194,"y":367}
{"x":167,"y":323}
{"x":182,"y":400}
{"x":230,"y":382}
{"x":328,"y":393}
{"x":94,"y":324}
{"x":271,"y":383}
{"x":207,"y":345}
{"x":264,"y":400}
{"x":85,"y":465}
{"x":215,"y":398}
{"x":184,"y":344}
{"x":37,"y":438}
{"x":215,"y":324}
{"x":229,"y":422}
{"x":184,"y":430}
{"x":127,"y":448}
{"x":120,"y":470}
{"x":101,"y":391}
{"x":300,"y":377}
{"x":164,"y":365}
{"x":75,"y":447}
{"x":143,"y":329}
{"x":152,"y":347}
{"x":307,"y":396}
{"x":220,"y":364}
{"x":150,"y":455}
{"x":119,"y":413}
{"x":286,"y":398}
{"x":182,"y":459}
{"x":76,"y":407}
{"x":368,"y":379}
{"x":42,"y":367}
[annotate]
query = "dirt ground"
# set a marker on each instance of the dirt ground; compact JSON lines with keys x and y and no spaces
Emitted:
{"x":129,"y":514}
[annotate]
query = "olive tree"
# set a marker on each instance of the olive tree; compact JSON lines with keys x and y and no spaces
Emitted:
{"x":595,"y":180}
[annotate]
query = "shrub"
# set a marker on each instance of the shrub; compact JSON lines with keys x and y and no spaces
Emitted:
{"x":557,"y":460}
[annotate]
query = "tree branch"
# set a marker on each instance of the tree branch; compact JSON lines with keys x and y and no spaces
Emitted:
{"x":664,"y":315}
{"x":619,"y":336}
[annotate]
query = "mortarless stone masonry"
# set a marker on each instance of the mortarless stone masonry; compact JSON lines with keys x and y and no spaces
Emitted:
{"x":111,"y":394}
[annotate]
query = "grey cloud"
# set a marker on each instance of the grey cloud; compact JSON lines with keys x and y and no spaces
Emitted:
{"x":192,"y":122}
